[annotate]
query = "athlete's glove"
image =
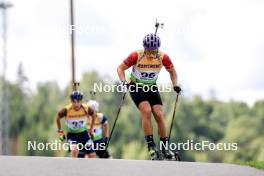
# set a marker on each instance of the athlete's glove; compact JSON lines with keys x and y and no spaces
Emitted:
{"x":177,"y":89}
{"x":61,"y":134}
{"x":124,"y":85}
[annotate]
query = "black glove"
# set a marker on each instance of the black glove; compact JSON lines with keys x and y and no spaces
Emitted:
{"x":125,"y":85}
{"x":177,"y":89}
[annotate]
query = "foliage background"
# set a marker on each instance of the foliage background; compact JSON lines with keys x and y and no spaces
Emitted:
{"x":32,"y":117}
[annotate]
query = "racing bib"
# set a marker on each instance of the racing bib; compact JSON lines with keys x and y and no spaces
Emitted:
{"x":146,"y":70}
{"x":76,"y":120}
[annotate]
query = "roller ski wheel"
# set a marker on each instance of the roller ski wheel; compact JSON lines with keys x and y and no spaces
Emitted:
{"x":177,"y":156}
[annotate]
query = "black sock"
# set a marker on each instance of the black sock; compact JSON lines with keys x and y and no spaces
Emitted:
{"x":150,"y":141}
{"x":163,"y":143}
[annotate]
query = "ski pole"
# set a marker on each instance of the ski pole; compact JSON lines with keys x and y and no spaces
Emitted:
{"x":173,"y":116}
{"x":117,"y":115}
{"x":92,"y":93}
{"x":157,"y":25}
{"x":75,"y":85}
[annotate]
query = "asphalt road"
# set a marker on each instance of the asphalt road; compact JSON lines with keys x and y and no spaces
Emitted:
{"x":48,"y":166}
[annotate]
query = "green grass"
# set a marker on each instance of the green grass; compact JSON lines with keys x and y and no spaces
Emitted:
{"x":256,"y":164}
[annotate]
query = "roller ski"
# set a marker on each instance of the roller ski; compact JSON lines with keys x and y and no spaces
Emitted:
{"x":169,"y":155}
{"x":166,"y":155}
{"x":153,"y":153}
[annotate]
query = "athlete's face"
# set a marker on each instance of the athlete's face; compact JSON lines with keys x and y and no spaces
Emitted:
{"x":76,"y":104}
{"x":151,"y":53}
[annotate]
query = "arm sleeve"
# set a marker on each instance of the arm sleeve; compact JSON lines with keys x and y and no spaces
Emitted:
{"x":62,"y":113}
{"x":104,"y":120}
{"x":131,"y":59}
{"x":166,"y":61}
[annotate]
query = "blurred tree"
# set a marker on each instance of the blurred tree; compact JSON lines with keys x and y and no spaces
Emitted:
{"x":32,"y":118}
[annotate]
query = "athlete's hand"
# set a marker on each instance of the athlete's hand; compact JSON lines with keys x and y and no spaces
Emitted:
{"x":91,"y":132}
{"x":124,"y":85}
{"x":61,"y":134}
{"x":177,"y":89}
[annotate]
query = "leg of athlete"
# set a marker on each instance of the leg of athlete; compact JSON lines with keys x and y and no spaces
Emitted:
{"x":159,"y":117}
{"x":155,"y":101}
{"x":74,"y":150}
{"x":145,"y":110}
{"x":158,"y":114}
{"x":91,"y":155}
